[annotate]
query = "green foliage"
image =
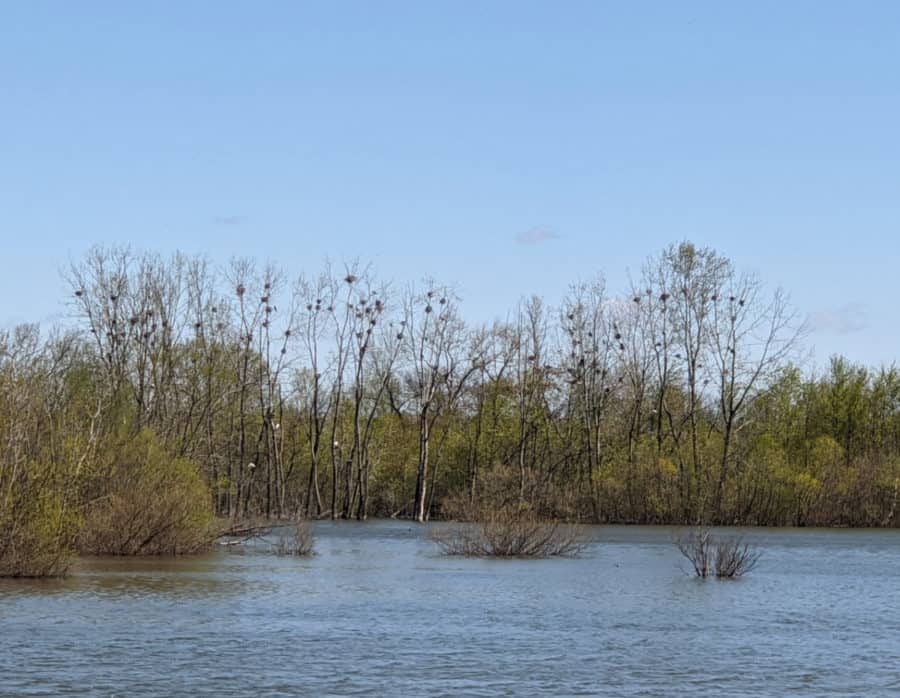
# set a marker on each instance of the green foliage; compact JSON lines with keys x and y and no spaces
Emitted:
{"x":39,"y":456}
{"x":38,"y":531}
{"x":147,"y":502}
{"x":393,"y":465}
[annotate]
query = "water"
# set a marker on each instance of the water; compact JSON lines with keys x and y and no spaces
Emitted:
{"x":378,"y":612}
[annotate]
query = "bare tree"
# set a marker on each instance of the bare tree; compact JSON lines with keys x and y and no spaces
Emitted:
{"x":206,"y":383}
{"x":502,"y":354}
{"x":441,"y":361}
{"x":528,"y":355}
{"x":383,"y":359}
{"x":751,"y":338}
{"x":344,"y":322}
{"x":99,"y":284}
{"x":317,"y":300}
{"x":687,"y":279}
{"x":275,"y":338}
{"x":247,"y":289}
{"x":634,"y":324}
{"x":594,"y":341}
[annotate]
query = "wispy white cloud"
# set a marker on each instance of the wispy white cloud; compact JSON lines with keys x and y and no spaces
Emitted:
{"x":229,"y":220}
{"x":847,"y":319}
{"x":536,"y":235}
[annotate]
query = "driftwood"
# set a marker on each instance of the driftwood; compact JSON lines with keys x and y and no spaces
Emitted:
{"x":297,"y":540}
{"x":239,"y":532}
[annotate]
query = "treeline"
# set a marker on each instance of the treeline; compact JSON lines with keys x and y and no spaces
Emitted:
{"x":338,"y":395}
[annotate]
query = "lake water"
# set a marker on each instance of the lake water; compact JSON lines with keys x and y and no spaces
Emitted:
{"x":377,"y":611}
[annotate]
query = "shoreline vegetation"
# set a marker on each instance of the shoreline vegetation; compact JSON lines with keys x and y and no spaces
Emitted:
{"x":181,"y":393}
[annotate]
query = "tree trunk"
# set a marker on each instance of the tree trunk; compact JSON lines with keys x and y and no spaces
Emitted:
{"x":422,"y":472}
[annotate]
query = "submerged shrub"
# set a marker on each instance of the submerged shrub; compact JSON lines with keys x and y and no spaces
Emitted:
{"x":735,"y":558}
{"x":696,"y":546}
{"x":296,"y":540}
{"x":726,"y":559}
{"x":150,"y":504}
{"x":508,"y":531}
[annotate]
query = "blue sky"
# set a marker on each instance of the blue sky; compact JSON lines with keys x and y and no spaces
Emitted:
{"x":506,"y":147}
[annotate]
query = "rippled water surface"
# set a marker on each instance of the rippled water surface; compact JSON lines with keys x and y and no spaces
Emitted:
{"x":378,"y":612}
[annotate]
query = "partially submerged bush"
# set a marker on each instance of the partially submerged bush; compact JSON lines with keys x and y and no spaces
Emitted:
{"x":726,"y":559}
{"x":151,"y":504}
{"x":296,"y":540}
{"x":696,"y":546}
{"x":508,"y":531}
{"x":735,"y":558}
{"x":37,"y":538}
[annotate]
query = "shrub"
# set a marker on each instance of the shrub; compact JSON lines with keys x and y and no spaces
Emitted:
{"x":726,"y":559}
{"x":297,"y":540}
{"x":37,"y":538}
{"x":508,"y":531}
{"x":150,"y":504}
{"x":735,"y":558}
{"x":41,"y":445}
{"x":696,"y":546}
